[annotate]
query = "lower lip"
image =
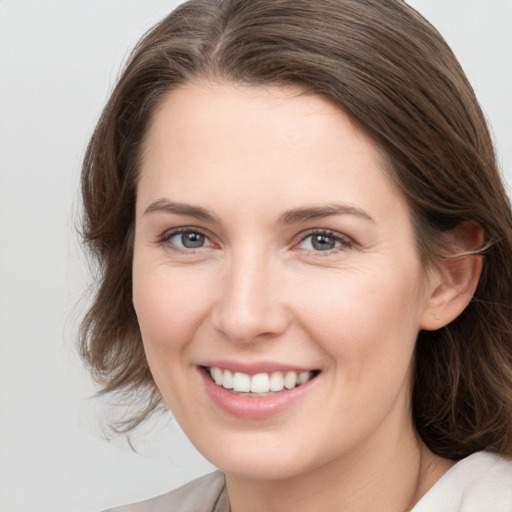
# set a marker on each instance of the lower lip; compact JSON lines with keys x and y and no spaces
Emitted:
{"x":257,"y":407}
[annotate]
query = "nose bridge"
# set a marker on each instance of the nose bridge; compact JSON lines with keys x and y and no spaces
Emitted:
{"x":250,"y":304}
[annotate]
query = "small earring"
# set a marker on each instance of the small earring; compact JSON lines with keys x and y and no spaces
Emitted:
{"x":436,"y":316}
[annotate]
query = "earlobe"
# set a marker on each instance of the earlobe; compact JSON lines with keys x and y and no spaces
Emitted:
{"x":454,"y":281}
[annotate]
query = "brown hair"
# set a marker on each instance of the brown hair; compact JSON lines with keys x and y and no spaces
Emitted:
{"x":388,"y":68}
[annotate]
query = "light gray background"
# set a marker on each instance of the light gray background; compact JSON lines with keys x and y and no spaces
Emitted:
{"x":58,"y":60}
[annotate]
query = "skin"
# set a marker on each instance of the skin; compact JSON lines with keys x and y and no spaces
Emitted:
{"x":258,"y":290}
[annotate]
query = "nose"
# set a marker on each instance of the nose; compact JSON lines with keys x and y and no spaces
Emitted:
{"x":251,"y":303}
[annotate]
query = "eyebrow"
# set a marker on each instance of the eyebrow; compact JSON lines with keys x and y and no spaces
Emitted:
{"x":318,"y":212}
{"x":166,"y":206}
{"x":289,"y":217}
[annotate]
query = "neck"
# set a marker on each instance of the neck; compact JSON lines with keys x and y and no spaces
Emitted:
{"x":392,"y":478}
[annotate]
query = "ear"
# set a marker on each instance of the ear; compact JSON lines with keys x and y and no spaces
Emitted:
{"x":453,"y":281}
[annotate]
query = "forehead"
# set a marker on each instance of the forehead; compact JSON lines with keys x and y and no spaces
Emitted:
{"x":213,"y":110}
{"x":292,"y":148}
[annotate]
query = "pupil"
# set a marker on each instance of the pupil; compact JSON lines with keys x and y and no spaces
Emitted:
{"x":323,"y":242}
{"x":192,"y":240}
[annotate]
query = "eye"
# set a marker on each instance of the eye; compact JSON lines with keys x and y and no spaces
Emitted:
{"x":324,"y":241}
{"x":186,"y":238}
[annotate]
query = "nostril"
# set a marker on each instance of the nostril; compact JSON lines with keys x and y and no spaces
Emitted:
{"x":247,"y":328}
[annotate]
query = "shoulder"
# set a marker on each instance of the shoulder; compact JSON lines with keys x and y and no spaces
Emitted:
{"x":205,"y":494}
{"x":482,"y":481}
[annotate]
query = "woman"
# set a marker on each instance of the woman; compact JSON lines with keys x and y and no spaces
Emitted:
{"x":305,"y":252}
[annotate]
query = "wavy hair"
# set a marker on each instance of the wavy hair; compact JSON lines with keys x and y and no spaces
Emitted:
{"x":388,"y":68}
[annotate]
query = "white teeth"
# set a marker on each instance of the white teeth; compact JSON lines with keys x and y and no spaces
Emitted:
{"x":260,"y":382}
{"x":276,"y":382}
{"x":241,"y":382}
{"x":304,"y":377}
{"x":290,"y":380}
{"x":227,"y":381}
{"x":217,"y":375}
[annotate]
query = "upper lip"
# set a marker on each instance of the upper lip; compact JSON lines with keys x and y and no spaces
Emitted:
{"x":252,"y":368}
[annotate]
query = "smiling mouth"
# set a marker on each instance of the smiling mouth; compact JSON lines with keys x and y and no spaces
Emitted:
{"x":260,"y":384}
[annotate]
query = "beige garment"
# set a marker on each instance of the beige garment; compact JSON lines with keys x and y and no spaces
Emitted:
{"x":480,"y":483}
{"x":206,"y":494}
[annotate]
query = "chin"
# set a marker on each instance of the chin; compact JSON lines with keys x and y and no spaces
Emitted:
{"x":263,"y":468}
{"x":261,"y":457}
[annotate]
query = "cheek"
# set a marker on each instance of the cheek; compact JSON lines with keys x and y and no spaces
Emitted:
{"x":168,"y":307}
{"x":364,"y":321}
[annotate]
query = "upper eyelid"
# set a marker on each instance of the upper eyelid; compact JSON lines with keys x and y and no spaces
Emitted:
{"x":164,"y":238}
{"x":169,"y":233}
{"x":329,"y":232}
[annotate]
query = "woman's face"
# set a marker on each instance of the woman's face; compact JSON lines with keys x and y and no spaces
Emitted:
{"x":270,"y":246}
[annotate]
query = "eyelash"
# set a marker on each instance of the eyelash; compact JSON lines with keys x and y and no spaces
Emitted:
{"x":344,"y":242}
{"x":166,"y":237}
